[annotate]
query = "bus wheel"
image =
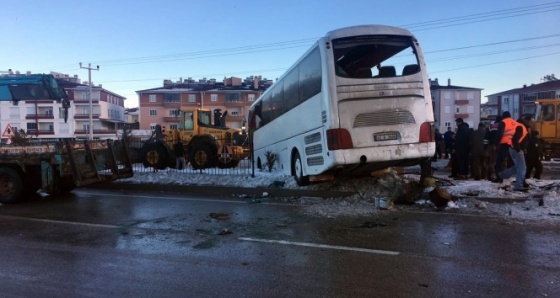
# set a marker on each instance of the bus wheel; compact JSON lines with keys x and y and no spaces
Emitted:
{"x":297,"y":170}
{"x":11,"y":187}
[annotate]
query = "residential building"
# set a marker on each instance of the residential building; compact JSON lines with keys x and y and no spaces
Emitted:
{"x":161,"y":105}
{"x":45,"y":118}
{"x":521,"y":101}
{"x":451,"y":102}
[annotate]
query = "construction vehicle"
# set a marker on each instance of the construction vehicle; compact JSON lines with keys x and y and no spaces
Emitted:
{"x":206,"y":145}
{"x":28,"y":165}
{"x":547,"y":123}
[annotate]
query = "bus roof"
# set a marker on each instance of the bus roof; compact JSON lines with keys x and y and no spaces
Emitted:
{"x":367,"y":30}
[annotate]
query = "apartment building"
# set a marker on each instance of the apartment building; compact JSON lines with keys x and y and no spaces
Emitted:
{"x":45,"y":118}
{"x":161,"y":105}
{"x":521,"y":101}
{"x":451,"y":102}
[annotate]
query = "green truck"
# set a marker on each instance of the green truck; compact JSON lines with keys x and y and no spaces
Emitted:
{"x":53,"y":166}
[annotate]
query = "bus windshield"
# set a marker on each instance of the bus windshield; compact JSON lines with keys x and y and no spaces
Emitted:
{"x":375,"y":56}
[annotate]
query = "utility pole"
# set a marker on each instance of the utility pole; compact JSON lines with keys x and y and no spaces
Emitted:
{"x":89,"y":68}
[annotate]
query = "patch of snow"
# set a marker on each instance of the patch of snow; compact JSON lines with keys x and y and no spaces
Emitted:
{"x":469,"y":195}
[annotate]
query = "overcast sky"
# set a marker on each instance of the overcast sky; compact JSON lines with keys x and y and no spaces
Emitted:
{"x":493,"y":45}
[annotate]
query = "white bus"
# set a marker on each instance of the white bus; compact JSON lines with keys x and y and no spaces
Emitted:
{"x":357,"y":101}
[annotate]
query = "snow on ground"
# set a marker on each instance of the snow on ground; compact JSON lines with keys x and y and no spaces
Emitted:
{"x":481,"y":197}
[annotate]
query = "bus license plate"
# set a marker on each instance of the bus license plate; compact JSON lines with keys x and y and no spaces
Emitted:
{"x":385,"y":136}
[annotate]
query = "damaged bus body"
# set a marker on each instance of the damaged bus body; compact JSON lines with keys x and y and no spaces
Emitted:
{"x":357,"y":101}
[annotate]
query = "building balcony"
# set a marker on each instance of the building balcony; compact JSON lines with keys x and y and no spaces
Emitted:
{"x":96,"y":131}
{"x":464,"y":116}
{"x":171,"y":119}
{"x":85,"y":116}
{"x":39,"y":132}
{"x":461,"y":102}
{"x":235,"y":118}
{"x":234,"y":103}
{"x":39,"y":101}
{"x":172,"y":104}
{"x":39,"y":116}
{"x":85,"y":101}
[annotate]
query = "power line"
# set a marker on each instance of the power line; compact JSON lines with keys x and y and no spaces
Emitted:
{"x":441,"y":23}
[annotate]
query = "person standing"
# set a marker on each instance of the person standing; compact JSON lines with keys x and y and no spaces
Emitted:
{"x":479,"y":154}
{"x":533,"y":156}
{"x":493,"y":145}
{"x":514,"y":135}
{"x":462,"y":148}
{"x":502,"y":150}
{"x":439,"y":141}
{"x":448,"y":137}
{"x":179,"y":151}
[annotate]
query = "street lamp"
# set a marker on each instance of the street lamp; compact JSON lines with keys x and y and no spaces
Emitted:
{"x":90,"y":99}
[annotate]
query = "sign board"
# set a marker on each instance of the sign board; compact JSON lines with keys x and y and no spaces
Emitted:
{"x":8,"y":131}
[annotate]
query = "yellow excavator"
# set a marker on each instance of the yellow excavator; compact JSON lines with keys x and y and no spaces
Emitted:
{"x":206,"y":144}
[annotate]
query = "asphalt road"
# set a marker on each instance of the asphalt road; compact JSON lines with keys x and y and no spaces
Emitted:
{"x":102,"y":243}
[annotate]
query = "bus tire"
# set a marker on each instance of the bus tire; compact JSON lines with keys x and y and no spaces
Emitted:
{"x":202,"y":156}
{"x":11,"y":186}
{"x":297,"y":170}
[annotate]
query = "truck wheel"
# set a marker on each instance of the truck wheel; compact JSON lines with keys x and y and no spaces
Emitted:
{"x":11,"y":187}
{"x":297,"y":170}
{"x":155,"y":156}
{"x":202,"y":156}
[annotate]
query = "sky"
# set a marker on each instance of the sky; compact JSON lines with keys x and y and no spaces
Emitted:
{"x":492,"y":45}
{"x":469,"y":196}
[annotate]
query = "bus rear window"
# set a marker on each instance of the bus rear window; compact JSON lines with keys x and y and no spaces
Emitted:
{"x":378,"y":56}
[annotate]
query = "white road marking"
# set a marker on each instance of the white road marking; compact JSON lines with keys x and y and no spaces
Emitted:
{"x":336,"y":247}
{"x":59,"y":222}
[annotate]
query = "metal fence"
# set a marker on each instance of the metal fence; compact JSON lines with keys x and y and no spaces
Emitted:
{"x":136,"y":154}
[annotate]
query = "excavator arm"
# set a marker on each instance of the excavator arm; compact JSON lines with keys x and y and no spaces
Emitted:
{"x":33,"y":87}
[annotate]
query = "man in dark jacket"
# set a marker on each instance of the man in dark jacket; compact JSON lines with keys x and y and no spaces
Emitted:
{"x":533,"y":156}
{"x":479,"y":154}
{"x":462,"y":148}
{"x":448,"y":138}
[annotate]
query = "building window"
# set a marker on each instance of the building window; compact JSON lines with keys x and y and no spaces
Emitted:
{"x":192,"y":97}
{"x":447,"y":95}
{"x":470,"y":109}
{"x":174,"y":113}
{"x":32,"y":126}
{"x":213,"y":97}
{"x":235,"y":113}
{"x":14,"y":113}
{"x":447,"y":124}
{"x":153,"y":126}
{"x":153,"y":112}
{"x":447,"y":109}
{"x":152,"y":98}
{"x":233,"y":97}
{"x":251,"y":97}
{"x":172,"y":97}
{"x":173,"y":126}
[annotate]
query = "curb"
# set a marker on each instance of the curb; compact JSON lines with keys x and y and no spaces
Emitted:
{"x":220,"y":190}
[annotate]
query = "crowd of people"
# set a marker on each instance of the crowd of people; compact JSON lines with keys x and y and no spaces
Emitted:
{"x":505,"y":148}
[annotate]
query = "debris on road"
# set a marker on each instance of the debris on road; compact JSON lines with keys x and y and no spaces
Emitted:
{"x":219,"y":216}
{"x":225,"y":231}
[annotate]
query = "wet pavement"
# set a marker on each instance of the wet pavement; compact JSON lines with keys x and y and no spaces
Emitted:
{"x":107,"y":243}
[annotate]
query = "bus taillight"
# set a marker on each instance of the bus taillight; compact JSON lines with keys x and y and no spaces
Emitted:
{"x":426,"y":134}
{"x":338,"y":139}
